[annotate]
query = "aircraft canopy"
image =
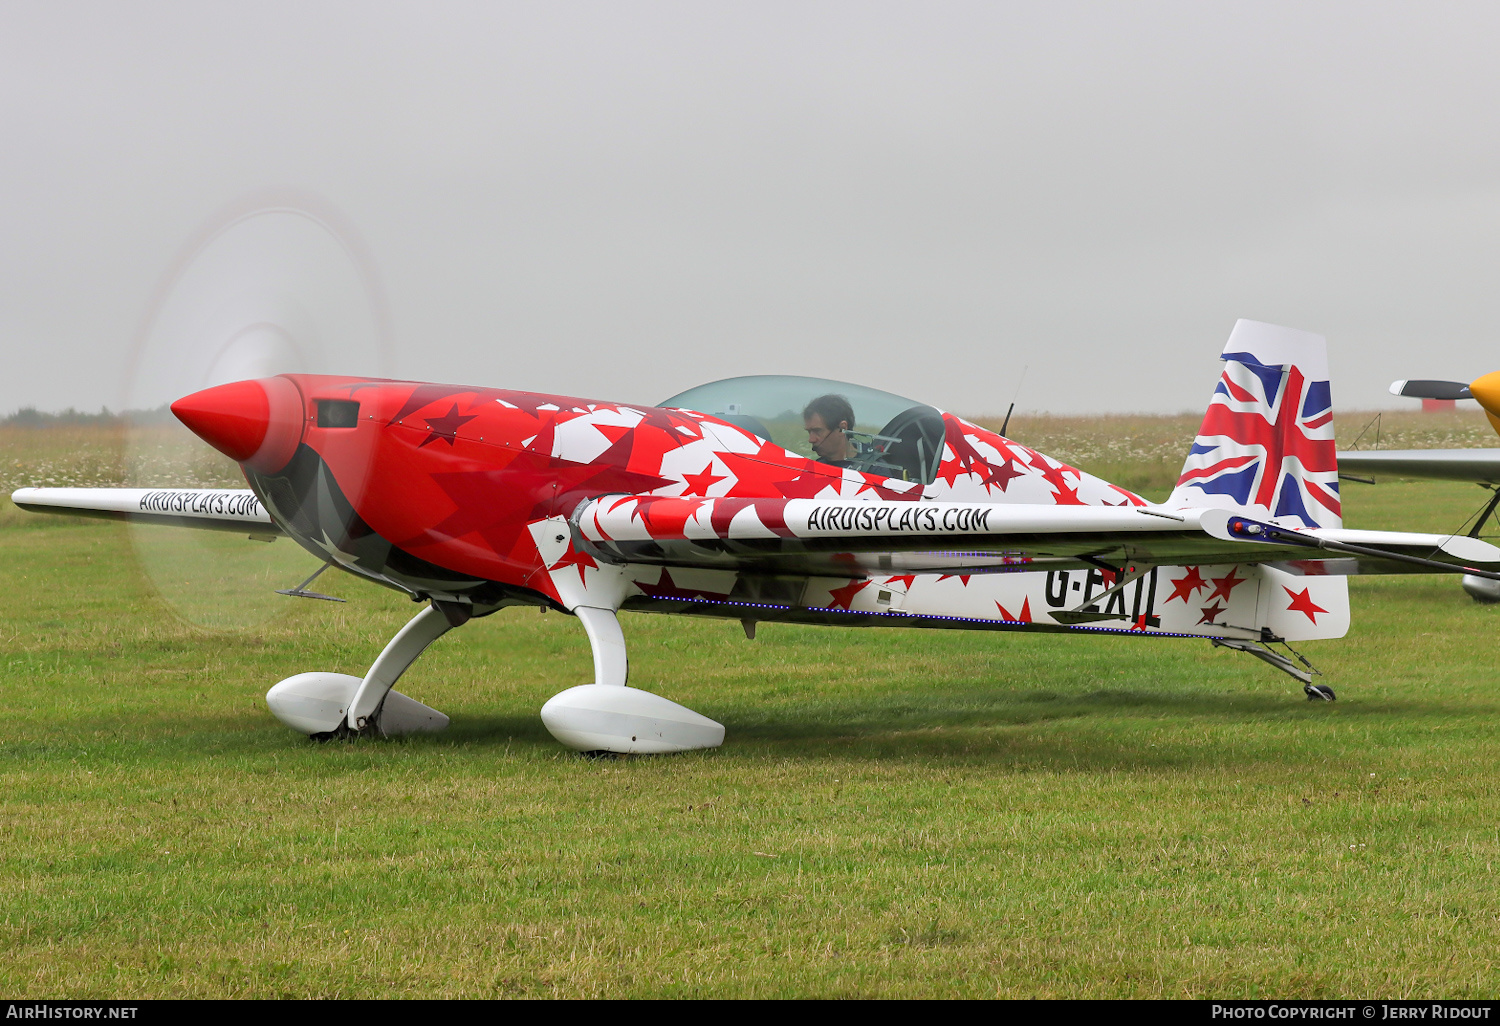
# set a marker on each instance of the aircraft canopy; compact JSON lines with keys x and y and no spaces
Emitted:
{"x":897,"y":437}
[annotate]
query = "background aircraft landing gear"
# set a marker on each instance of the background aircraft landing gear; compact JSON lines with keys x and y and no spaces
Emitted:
{"x":1482,"y":589}
{"x":1319,"y":692}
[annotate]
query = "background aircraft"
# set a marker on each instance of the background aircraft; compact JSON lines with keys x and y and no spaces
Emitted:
{"x":471,"y":499}
{"x":1481,"y":466}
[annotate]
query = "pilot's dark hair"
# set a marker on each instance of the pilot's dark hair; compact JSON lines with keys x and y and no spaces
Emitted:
{"x":833,"y":409}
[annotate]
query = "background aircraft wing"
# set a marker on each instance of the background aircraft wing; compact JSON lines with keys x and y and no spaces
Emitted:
{"x":854,"y":538}
{"x":1480,"y":465}
{"x":211,"y":509}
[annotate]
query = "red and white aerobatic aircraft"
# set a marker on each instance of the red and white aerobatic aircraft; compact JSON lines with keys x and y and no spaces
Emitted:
{"x":472,"y":499}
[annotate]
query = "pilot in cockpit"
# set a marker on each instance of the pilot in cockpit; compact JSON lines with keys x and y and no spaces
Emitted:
{"x":828,"y":419}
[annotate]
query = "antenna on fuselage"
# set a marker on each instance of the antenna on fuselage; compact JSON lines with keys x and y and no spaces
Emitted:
{"x":1019,"y":382}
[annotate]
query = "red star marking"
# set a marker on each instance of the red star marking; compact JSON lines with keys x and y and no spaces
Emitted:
{"x":1067,"y":496}
{"x":1302,"y":602}
{"x":614,"y":432}
{"x":890,"y":488}
{"x":1188,"y":586}
{"x":1224,"y":585}
{"x":951,"y":470}
{"x":491,"y":508}
{"x":1025,"y":616}
{"x":962,"y":578}
{"x":698,"y":484}
{"x":1002,"y":475}
{"x":445,"y":427}
{"x":1211,"y":613}
{"x":578,"y":559}
{"x":1141,"y":623}
{"x":967,"y":460}
{"x":666,"y":588}
{"x":845,"y":595}
{"x":425,"y":394}
{"x":907,"y":579}
{"x":1057,"y":477}
{"x":806,"y":486}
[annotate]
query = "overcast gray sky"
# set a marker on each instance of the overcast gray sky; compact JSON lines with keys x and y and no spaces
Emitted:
{"x":621,"y":200}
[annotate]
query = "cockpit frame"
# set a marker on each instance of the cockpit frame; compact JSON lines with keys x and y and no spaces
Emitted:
{"x":893,"y":436}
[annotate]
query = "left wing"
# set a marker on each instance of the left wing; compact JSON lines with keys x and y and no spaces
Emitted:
{"x":211,"y":509}
{"x":852,"y":538}
{"x":1480,"y":465}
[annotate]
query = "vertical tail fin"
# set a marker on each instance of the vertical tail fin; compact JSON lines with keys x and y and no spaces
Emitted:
{"x":1266,"y":446}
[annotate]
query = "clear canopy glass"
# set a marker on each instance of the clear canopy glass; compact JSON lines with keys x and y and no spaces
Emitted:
{"x":894,"y":436}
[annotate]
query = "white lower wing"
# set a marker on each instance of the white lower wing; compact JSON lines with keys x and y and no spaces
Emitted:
{"x":840,"y":537}
{"x":210,"y":509}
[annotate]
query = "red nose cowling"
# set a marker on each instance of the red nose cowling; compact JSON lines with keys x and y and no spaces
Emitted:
{"x":255,"y":422}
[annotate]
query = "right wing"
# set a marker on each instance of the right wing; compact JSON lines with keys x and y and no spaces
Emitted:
{"x":845,"y":537}
{"x":212,"y":509}
{"x":1479,"y":465}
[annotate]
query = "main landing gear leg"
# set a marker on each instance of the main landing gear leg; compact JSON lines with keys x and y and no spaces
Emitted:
{"x":375,"y":707}
{"x":327,"y":704}
{"x":1482,"y":589}
{"x":607,"y":716}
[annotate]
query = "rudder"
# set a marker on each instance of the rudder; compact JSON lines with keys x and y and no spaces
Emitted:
{"x":1266,"y":445}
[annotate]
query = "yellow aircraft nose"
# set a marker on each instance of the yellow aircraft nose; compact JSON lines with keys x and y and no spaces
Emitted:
{"x":1487,"y":391}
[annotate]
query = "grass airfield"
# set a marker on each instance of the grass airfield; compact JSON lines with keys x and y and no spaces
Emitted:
{"x":894,"y":813}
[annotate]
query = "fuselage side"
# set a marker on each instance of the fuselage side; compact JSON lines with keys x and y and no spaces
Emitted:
{"x":438,"y":490}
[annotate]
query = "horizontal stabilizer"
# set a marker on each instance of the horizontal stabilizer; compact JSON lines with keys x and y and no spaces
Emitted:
{"x":1375,"y":551}
{"x":211,"y":509}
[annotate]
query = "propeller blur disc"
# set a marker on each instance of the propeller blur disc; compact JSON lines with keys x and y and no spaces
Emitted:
{"x":271,"y":287}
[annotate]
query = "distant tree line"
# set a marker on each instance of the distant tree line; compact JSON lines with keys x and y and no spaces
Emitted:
{"x":31,"y":417}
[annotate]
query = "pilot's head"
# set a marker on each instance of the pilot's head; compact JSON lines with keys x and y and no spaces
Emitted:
{"x":826,"y":419}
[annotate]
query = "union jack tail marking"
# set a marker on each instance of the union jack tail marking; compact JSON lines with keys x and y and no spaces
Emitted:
{"x":1266,"y":446}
